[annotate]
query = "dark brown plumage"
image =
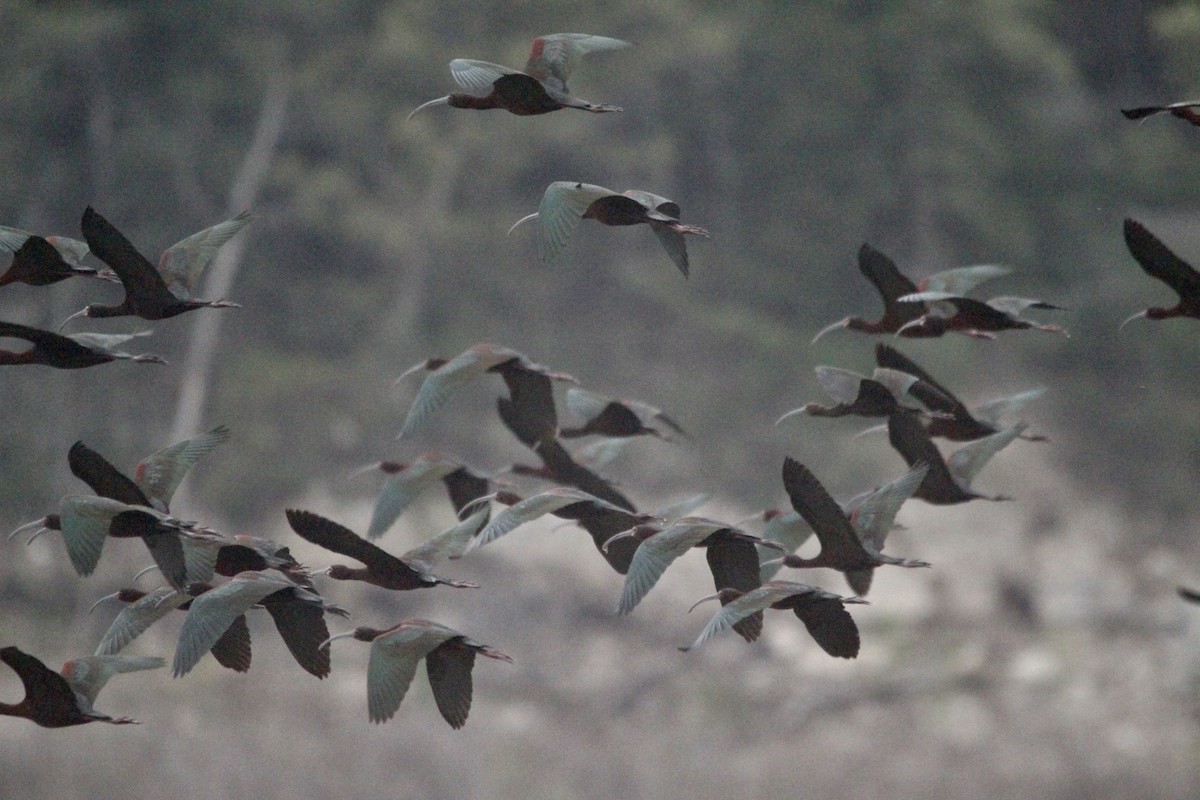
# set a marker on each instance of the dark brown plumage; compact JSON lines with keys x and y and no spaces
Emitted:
{"x":382,"y":568}
{"x":61,"y":352}
{"x":1159,"y":262}
{"x":146,"y":293}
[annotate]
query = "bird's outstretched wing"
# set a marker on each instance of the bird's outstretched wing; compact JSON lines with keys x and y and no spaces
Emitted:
{"x":553,"y":57}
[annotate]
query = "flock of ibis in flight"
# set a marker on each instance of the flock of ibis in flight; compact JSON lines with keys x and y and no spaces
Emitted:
{"x":215,"y":580}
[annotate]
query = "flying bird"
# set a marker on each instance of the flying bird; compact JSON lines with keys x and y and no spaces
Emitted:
{"x":1159,"y":262}
{"x":731,"y":554}
{"x":446,"y":377}
{"x":1184,"y":110}
{"x":395,"y":652}
{"x":952,"y":419}
{"x":37,"y":262}
{"x":60,"y":700}
{"x":298,"y":613}
{"x":539,"y":89}
{"x":565,"y":203}
{"x":880,"y":395}
{"x":62,"y":352}
{"x":891,"y":284}
{"x":401,"y":573}
{"x":608,"y":416}
{"x":823,"y":614}
{"x":405,"y":481}
{"x":947,"y":482}
{"x":143,"y":609}
{"x":980,"y":318}
{"x":152,"y":293}
{"x":72,"y":251}
{"x":842,"y":547}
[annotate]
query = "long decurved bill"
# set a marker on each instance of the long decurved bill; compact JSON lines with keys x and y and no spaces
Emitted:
{"x":841,"y":323}
{"x":38,"y":523}
{"x":112,"y":596}
{"x":441,"y":101}
{"x":622,"y":535}
{"x":1139,"y":315}
{"x":81,"y":313}
{"x":324,"y":644}
{"x":918,"y":321}
{"x":704,"y":600}
{"x":534,"y":215}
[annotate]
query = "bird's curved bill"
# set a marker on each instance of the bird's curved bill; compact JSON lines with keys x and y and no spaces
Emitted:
{"x":841,"y":323}
{"x":112,"y":596}
{"x":622,"y":535}
{"x":441,"y":101}
{"x":143,"y":571}
{"x":478,"y":501}
{"x":80,"y":313}
{"x":792,"y":413}
{"x":703,"y":600}
{"x":324,"y":644}
{"x":414,"y":368}
{"x":522,"y":221}
{"x":1139,"y":315}
{"x":911,"y":324}
{"x":40,"y":522}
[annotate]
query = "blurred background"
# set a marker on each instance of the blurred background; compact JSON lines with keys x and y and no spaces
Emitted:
{"x":1044,"y":655}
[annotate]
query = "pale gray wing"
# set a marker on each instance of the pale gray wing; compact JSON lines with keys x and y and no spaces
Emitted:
{"x":676,"y":511}
{"x":441,"y":384}
{"x":790,"y":531}
{"x":556,"y":55}
{"x":563,"y":205}
{"x":200,"y":555}
{"x":478,"y":76}
{"x":874,"y":514}
{"x":11,"y":239}
{"x":84,"y":521}
{"x":449,"y":544}
{"x":673,"y":242}
{"x":88,"y":674}
{"x":137,"y":616}
{"x":159,"y":474}
{"x":993,"y":410}
{"x":213,"y":612}
{"x":586,"y":404}
{"x":927,"y":297}
{"x":401,"y":489}
{"x":531,"y":508}
{"x":656,"y":553}
{"x":737,"y":610}
{"x":184,"y":262}
{"x":72,"y":251}
{"x":968,"y":460}
{"x":895,"y":381}
{"x":599,"y":454}
{"x":105,"y":341}
{"x":840,"y":384}
{"x":960,"y":280}
{"x":1015,"y":306}
{"x":393,"y":664}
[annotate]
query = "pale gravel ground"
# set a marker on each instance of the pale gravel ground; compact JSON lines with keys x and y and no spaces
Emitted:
{"x":950,"y":697}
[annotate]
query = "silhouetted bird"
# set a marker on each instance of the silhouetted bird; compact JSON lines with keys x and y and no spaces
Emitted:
{"x":1184,"y":111}
{"x":539,"y":89}
{"x":823,"y":614}
{"x":947,"y":482}
{"x":150,"y":293}
{"x":62,"y":352}
{"x":1159,"y":262}
{"x":883,"y":274}
{"x":565,"y":203}
{"x":395,"y":652}
{"x":55,"y":700}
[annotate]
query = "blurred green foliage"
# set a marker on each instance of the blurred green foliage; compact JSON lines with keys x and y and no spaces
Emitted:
{"x":942,"y":133}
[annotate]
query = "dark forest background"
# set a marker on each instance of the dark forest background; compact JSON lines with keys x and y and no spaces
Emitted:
{"x":943,"y":134}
